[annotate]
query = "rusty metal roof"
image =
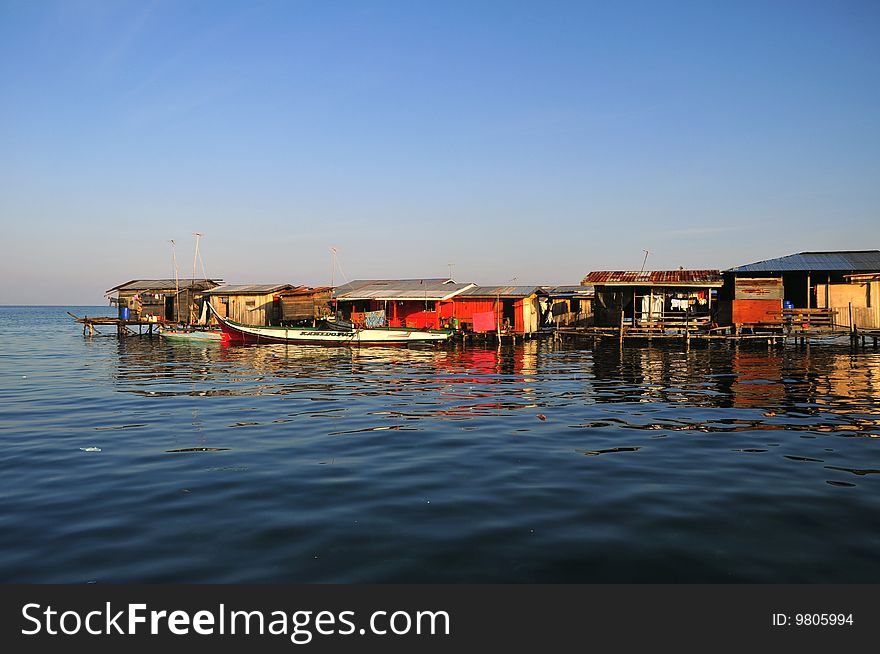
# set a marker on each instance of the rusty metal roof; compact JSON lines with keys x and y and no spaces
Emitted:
{"x":703,"y":278}
{"x":839,"y":260}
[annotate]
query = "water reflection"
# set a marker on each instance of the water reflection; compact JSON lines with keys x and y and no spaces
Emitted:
{"x":779,"y":387}
{"x":539,"y":462}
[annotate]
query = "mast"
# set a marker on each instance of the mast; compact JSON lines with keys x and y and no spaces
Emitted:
{"x":192,"y":291}
{"x":176,"y":281}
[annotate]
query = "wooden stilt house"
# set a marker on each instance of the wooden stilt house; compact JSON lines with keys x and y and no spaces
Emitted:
{"x":810,"y":289}
{"x":304,"y":305}
{"x":249,"y":304}
{"x":656,"y":300}
{"x":504,"y":309}
{"x":161,"y":300}
{"x":568,"y":306}
{"x":416,"y":303}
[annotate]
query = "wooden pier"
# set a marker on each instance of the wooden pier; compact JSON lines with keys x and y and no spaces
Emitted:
{"x":123,"y":327}
{"x":638,"y":334}
{"x":802,"y":337}
{"x":629,"y":334}
{"x":863,"y":335}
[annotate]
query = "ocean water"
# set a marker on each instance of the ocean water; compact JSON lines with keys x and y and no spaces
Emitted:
{"x":141,"y":460}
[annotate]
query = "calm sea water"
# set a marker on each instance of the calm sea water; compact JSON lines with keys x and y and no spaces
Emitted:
{"x":535,"y":463}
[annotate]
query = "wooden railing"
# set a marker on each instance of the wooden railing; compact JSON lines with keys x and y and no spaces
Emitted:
{"x":804,"y":318}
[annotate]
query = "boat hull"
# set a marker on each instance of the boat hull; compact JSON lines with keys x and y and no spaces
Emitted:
{"x":194,"y":336}
{"x":238,"y":333}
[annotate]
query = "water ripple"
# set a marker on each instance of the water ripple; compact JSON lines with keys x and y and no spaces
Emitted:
{"x":140,"y":460}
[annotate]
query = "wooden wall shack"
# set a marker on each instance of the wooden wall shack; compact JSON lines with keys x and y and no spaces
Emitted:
{"x":306,"y":305}
{"x":161,"y":300}
{"x":515,"y":309}
{"x":656,"y":300}
{"x":757,"y":300}
{"x":802,"y":273}
{"x":859,"y":298}
{"x":249,"y":304}
{"x":411,"y":303}
{"x":567,"y":306}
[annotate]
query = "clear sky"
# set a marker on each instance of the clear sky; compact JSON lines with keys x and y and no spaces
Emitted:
{"x":528,"y":141}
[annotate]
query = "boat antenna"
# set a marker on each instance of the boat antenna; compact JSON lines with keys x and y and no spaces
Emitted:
{"x":332,"y":267}
{"x":202,"y":264}
{"x":644,"y":261}
{"x":198,"y":235}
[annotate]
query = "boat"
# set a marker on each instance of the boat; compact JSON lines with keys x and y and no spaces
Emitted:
{"x":194,"y":335}
{"x":328,"y":333}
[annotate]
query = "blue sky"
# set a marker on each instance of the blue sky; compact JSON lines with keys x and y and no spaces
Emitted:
{"x":527,"y":141}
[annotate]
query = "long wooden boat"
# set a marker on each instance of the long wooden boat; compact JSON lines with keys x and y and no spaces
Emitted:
{"x":194,"y":335}
{"x":328,"y":334}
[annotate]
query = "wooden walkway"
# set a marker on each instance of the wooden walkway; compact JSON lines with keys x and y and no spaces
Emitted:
{"x":864,"y":335}
{"x":644,"y":334}
{"x":723,"y":334}
{"x":123,"y":327}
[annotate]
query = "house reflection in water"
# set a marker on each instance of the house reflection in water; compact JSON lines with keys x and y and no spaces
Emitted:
{"x":757,"y":378}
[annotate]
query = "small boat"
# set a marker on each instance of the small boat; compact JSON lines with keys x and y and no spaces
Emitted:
{"x":329,"y":333}
{"x":194,"y":335}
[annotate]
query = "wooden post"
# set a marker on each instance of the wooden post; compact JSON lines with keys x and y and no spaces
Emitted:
{"x":808,"y":290}
{"x":828,"y":296}
{"x":498,"y":318}
{"x":621,"y":324}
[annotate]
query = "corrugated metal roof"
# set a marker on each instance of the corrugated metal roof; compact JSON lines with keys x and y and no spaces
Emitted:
{"x":501,"y":291}
{"x":571,"y":289}
{"x":396,"y":283}
{"x":248,"y":289}
{"x":306,"y":290}
{"x":165,"y":284}
{"x":841,"y":260}
{"x":399,"y":289}
{"x":655,"y":278}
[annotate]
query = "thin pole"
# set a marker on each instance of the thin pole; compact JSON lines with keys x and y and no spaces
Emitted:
{"x":176,"y":281}
{"x":198,"y":235}
{"x":808,"y":290}
{"x":498,"y":318}
{"x":196,"y":256}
